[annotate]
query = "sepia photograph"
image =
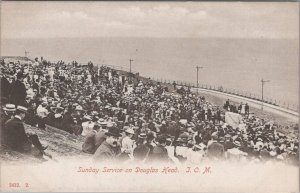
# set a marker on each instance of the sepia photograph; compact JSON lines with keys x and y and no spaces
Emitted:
{"x":142,"y":96}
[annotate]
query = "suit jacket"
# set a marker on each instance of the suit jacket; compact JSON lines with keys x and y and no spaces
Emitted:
{"x":15,"y":136}
{"x":215,"y":150}
{"x":18,"y":93}
{"x":105,"y":153}
{"x":160,"y":153}
{"x":5,"y":87}
{"x":93,"y":141}
{"x":228,"y":145}
{"x":89,"y":144}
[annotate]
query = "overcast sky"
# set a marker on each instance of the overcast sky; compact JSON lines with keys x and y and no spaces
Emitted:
{"x":149,"y":19}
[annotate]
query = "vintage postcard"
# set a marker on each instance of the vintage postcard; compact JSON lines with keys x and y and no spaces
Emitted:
{"x":102,"y":96}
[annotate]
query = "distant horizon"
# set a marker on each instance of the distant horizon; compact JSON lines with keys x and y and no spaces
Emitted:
{"x":233,"y":63}
{"x":138,"y":37}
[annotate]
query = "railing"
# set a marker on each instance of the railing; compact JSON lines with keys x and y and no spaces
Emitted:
{"x":115,"y":67}
{"x":268,"y":100}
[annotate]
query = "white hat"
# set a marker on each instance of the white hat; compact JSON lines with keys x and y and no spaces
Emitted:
{"x":280,"y":157}
{"x":57,"y":115}
{"x":102,"y":123}
{"x":23,"y":109}
{"x":9,"y":107}
{"x":237,"y":143}
{"x":273,"y":153}
{"x":130,"y":131}
{"x":78,"y":108}
{"x":87,"y":117}
{"x":110,"y":124}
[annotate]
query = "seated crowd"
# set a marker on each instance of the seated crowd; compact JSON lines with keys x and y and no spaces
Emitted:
{"x":123,"y":118}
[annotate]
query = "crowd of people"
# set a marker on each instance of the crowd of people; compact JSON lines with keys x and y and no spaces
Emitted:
{"x":126,"y":118}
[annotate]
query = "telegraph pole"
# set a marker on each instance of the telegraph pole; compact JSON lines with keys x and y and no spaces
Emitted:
{"x":26,"y":53}
{"x":198,"y":67}
{"x":130,"y":60}
{"x":262,"y":92}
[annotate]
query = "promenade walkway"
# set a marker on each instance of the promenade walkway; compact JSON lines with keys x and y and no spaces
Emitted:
{"x":291,"y":115}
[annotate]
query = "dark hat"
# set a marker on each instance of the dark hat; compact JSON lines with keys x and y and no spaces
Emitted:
{"x":113,"y":131}
{"x":180,"y":140}
{"x":150,"y":136}
{"x":21,"y":75}
{"x":161,"y":139}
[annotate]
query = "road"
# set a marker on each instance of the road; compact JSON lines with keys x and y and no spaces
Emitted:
{"x":289,"y":114}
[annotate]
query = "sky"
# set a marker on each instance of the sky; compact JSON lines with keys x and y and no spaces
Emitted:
{"x":150,"y":19}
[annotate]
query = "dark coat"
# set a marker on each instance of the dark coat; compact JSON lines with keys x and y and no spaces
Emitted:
{"x":18,"y":93}
{"x":215,"y":150}
{"x":106,"y":153}
{"x":68,"y":123}
{"x":5,"y":88}
{"x":141,"y":152}
{"x":89,"y":144}
{"x":15,"y":136}
{"x":160,"y":154}
{"x":93,"y":141}
{"x":4,"y":119}
{"x":228,"y":145}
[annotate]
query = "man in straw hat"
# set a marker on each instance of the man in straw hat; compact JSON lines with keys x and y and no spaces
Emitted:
{"x":7,"y":113}
{"x":16,"y":138}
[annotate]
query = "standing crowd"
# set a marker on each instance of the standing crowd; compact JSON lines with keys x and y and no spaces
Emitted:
{"x":123,"y":118}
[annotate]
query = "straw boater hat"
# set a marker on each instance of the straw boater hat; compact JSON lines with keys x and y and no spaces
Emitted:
{"x":22,"y":109}
{"x":142,"y":136}
{"x":129,"y":131}
{"x":10,"y":107}
{"x":87,"y":117}
{"x":78,"y":108}
{"x":237,"y":143}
